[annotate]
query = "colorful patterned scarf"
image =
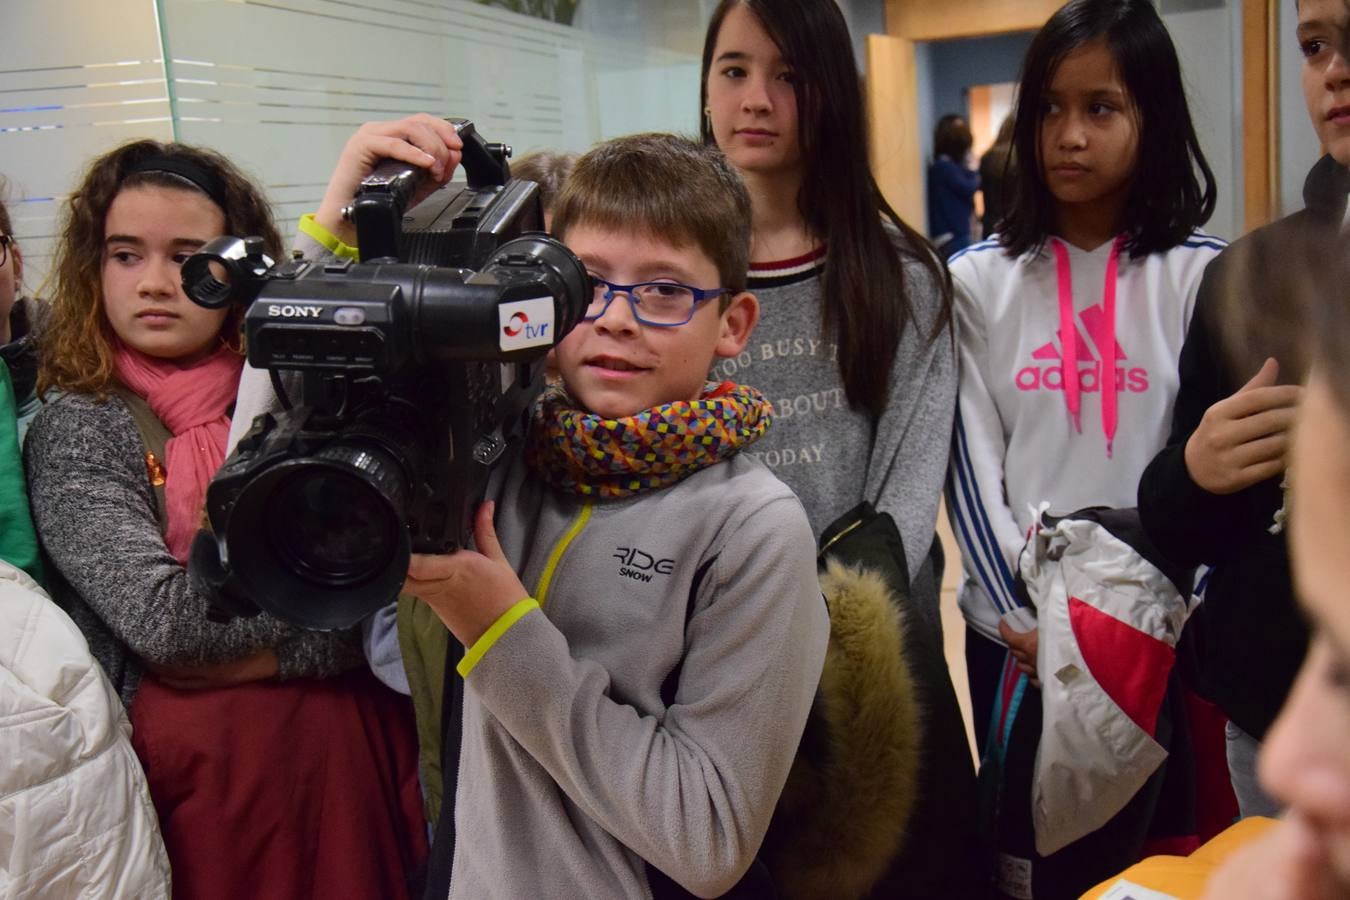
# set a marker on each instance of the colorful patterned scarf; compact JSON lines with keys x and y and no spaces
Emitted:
{"x":578,"y":452}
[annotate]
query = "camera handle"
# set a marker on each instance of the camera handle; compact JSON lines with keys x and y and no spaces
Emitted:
{"x":384,"y":194}
{"x":485,"y":164}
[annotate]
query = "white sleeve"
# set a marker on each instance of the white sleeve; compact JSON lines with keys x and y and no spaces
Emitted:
{"x":977,"y":503}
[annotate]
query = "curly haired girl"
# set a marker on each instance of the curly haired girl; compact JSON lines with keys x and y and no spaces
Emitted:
{"x":277,"y":765}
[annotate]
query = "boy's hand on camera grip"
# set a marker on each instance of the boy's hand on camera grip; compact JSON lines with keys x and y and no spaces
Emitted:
{"x":258,"y":667}
{"x":470,"y":589}
{"x":420,"y":140}
{"x":1242,"y":439}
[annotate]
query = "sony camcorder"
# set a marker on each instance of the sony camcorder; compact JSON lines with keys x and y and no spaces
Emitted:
{"x":403,"y":377}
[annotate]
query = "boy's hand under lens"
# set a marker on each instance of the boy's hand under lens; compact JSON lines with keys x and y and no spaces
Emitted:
{"x":470,"y":589}
{"x":420,"y":140}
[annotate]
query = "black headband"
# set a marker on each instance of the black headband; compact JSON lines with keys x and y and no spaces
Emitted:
{"x":208,"y":182}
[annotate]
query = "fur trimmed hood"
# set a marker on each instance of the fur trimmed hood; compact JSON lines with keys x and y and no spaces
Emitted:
{"x":843,"y":813}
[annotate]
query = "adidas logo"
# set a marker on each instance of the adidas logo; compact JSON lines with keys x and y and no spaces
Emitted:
{"x":1050,"y":376}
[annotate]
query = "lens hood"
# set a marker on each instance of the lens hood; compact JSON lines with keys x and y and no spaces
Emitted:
{"x":321,"y":541}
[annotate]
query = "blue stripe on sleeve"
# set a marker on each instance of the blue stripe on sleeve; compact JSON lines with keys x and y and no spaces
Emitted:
{"x":973,"y":551}
{"x":974,"y":248}
{"x":981,"y":520}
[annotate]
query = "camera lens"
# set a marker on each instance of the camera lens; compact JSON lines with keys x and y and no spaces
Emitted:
{"x":333,"y":528}
{"x":321,"y":541}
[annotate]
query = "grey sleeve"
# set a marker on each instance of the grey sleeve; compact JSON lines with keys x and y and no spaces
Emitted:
{"x":691,"y":792}
{"x":96,"y":517}
{"x":909,"y":454}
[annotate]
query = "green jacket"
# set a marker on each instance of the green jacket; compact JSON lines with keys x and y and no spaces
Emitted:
{"x":18,"y":540}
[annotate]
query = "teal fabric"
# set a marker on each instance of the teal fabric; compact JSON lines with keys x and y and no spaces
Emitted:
{"x":18,"y":540}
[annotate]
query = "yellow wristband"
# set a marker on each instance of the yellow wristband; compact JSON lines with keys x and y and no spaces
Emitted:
{"x":326,"y":238}
{"x":474,"y":654}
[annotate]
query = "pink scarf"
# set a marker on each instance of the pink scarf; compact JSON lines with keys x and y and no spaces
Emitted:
{"x":191,"y":402}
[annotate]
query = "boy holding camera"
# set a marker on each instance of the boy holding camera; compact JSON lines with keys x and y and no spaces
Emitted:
{"x":642,"y":623}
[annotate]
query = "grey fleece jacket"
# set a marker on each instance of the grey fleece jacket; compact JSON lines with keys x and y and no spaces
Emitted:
{"x":97,"y":521}
{"x":830,"y":454}
{"x":574,"y":768}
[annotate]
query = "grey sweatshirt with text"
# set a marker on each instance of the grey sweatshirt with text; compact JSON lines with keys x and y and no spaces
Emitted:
{"x":834,"y":456}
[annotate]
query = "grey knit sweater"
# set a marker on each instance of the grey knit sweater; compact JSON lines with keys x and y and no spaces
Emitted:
{"x":828,"y":453}
{"x":97,"y":521}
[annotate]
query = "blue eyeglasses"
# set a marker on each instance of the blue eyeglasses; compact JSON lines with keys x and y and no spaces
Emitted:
{"x":661,"y":304}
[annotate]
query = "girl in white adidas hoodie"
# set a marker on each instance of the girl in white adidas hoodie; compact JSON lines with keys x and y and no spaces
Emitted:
{"x":1094,"y":273}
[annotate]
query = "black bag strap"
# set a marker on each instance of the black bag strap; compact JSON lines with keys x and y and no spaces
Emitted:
{"x":154,"y":435}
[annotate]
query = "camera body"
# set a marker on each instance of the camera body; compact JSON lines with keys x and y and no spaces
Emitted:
{"x":405,"y":378}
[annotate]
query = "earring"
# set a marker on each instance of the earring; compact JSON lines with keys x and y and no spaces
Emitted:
{"x":707,"y":117}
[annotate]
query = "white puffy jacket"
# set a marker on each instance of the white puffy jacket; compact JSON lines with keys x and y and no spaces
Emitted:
{"x":75,"y":815}
{"x":1110,"y":611}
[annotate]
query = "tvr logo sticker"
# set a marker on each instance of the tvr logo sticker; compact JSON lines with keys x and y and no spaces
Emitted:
{"x":526,"y":323}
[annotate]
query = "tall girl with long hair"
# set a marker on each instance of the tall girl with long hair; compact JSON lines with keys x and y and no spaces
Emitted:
{"x":277,"y":766}
{"x":854,"y":347}
{"x":1071,"y":320}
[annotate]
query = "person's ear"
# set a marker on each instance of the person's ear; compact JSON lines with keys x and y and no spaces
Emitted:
{"x":738,"y":321}
{"x":16,"y":258}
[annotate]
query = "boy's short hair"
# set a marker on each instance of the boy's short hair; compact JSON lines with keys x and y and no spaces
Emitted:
{"x":547,"y":169}
{"x":669,"y":187}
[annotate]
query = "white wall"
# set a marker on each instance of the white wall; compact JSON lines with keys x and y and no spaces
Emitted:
{"x":280,"y":86}
{"x":1298,"y":145}
{"x":80,"y":77}
{"x":864,"y":17}
{"x":1208,"y":45}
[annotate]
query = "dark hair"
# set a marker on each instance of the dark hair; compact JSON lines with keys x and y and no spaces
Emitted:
{"x":548,"y":170}
{"x":670,"y":187}
{"x":1159,"y":214}
{"x":868,"y":302}
{"x":1001,"y":151}
{"x":7,"y":229}
{"x":952,"y":137}
{"x":6,"y":226}
{"x":75,"y":352}
{"x":1306,"y":324}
